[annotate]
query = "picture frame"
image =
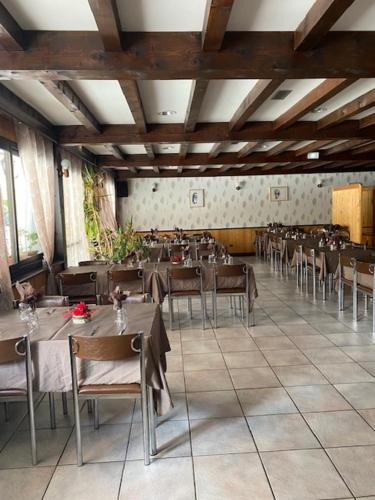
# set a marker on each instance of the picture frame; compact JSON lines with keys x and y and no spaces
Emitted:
{"x":196,"y":198}
{"x":279,"y":193}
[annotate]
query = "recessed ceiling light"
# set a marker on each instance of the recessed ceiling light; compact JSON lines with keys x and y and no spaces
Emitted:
{"x":313,"y":155}
{"x":167,"y":112}
{"x":319,"y":109}
{"x":264,"y":146}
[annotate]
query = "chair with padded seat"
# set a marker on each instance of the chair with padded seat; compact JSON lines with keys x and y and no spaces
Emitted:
{"x":185,"y":283}
{"x":228,"y":272}
{"x":12,"y":351}
{"x":79,"y":287}
{"x":112,"y":348}
{"x":128,"y":279}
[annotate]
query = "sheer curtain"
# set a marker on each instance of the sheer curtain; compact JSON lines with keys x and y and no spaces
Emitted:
{"x":37,"y":160}
{"x":76,"y":240}
{"x":107,"y":200}
{"x":6,"y":295}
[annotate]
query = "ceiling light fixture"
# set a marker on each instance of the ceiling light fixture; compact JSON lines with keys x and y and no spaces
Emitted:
{"x":167,"y":148}
{"x":319,"y":109}
{"x":167,"y":112}
{"x":264,"y":146}
{"x":313,"y":155}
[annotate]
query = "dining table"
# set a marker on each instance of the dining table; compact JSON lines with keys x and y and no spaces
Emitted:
{"x":50,"y":350}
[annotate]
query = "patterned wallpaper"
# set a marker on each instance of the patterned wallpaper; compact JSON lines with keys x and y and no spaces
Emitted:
{"x":225,"y":207}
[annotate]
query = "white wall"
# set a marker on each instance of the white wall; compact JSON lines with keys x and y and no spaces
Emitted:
{"x":226,"y":207}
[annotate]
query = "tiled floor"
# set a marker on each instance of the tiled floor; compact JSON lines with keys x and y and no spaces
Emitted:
{"x":284,"y":410}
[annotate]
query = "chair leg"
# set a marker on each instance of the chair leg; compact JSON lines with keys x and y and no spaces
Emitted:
{"x":373,"y":313}
{"x":355,"y":304}
{"x":89,"y":406}
{"x":64,"y":403}
{"x":152,"y":423}
{"x":170,"y":306}
{"x":52,"y":411}
{"x":366,"y":303}
{"x":145,"y":425}
{"x":324,"y":285}
{"x":96,"y":415}
{"x":190,"y":307}
{"x":214,"y":302}
{"x":77,"y":420}
{"x":203,"y":306}
{"x":30,"y":403}
{"x":6,"y":411}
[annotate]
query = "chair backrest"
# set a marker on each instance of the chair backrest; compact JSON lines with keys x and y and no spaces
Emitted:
{"x":69,"y":279}
{"x":228,"y":270}
{"x":309,"y":252}
{"x":231,"y":271}
{"x":12,"y":350}
{"x":92,"y":262}
{"x":175,"y":249}
{"x":365,"y":267}
{"x":77,"y":285}
{"x":113,"y":348}
{"x":184,"y":273}
{"x":130,"y":278}
{"x":53,"y":301}
{"x":347,"y":261}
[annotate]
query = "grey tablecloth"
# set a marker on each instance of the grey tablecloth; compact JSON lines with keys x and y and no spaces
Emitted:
{"x":50,"y":351}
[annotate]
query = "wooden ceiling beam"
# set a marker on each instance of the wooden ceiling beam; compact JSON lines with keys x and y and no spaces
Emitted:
{"x":215,"y":23}
{"x":184,"y":147}
{"x":217,"y":149}
{"x":180,"y":169}
{"x":247,"y":149}
{"x":107,"y":19}
{"x":326,"y":90}
{"x":367,"y":121}
{"x":64,"y":93}
{"x":314,"y":146}
{"x":12,"y":37}
{"x":197,"y":93}
{"x":279,"y":148}
{"x":133,"y":98}
{"x":261,"y":91}
{"x":115,"y":151}
{"x":345,"y":146}
{"x":318,"y":21}
{"x":150,"y":151}
{"x":168,"y":56}
{"x":365,"y":149}
{"x":213,"y":133}
{"x":348,"y":110}
{"x":156,"y":170}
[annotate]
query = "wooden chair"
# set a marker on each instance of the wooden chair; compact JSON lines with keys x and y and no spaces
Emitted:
{"x":175,"y":250}
{"x":79,"y":287}
{"x":367,"y":269}
{"x":116,"y":348}
{"x":195,"y":289}
{"x":203,"y":250}
{"x":93,"y":262}
{"x":53,"y":301}
{"x":18,"y":350}
{"x":223,"y":273}
{"x":127,"y":279}
{"x":346,"y":278}
{"x":276,"y":253}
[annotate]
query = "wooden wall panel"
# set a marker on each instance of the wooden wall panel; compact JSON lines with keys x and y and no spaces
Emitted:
{"x":347,"y":209}
{"x":368,"y":218}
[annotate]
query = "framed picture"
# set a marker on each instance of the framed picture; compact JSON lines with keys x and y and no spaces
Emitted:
{"x":196,"y":198}
{"x":279,"y":193}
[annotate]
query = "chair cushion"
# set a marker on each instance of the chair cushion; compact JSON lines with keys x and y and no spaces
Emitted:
{"x":110,"y":389}
{"x":12,"y":392}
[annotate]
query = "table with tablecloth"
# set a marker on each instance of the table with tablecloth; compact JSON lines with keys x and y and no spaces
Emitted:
{"x":50,"y":351}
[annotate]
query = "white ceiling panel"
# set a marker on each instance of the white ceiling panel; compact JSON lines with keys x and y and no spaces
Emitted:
{"x":234,"y":148}
{"x":357,"y":89}
{"x":97,"y":149}
{"x":203,"y":147}
{"x":69,"y":15}
{"x":266,"y":146}
{"x":166,"y":148}
{"x":105,"y":100}
{"x":43,"y":101}
{"x":268,"y":15}
{"x":223,"y":98}
{"x":133,"y":149}
{"x":272,"y":109}
{"x":300,"y":145}
{"x":359,"y":17}
{"x":368,"y":112}
{"x":165,"y":95}
{"x":161,"y":15}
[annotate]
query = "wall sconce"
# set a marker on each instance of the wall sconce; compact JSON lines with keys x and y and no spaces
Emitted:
{"x":239,"y":186}
{"x":65,"y":166}
{"x":154,"y":187}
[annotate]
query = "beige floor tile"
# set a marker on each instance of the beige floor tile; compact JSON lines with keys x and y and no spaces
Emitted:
{"x":310,"y":341}
{"x":356,"y":464}
{"x":269,"y":343}
{"x":174,"y":363}
{"x":369,"y":416}
{"x":210,"y":361}
{"x":334,"y":327}
{"x":265,"y":331}
{"x":199,"y":346}
{"x":297,"y":329}
{"x":225,"y":477}
{"x":362,"y":353}
{"x":218,"y":404}
{"x":286,"y":357}
{"x":176,"y":381}
{"x":303,"y":474}
{"x":179,"y":412}
{"x":340,"y":428}
{"x":345,"y":373}
{"x":208,"y":380}
{"x":252,"y":378}
{"x":163,"y":479}
{"x":239,"y":332}
{"x":90,"y":482}
{"x":247,"y":359}
{"x":220,"y":436}
{"x":106,"y":444}
{"x":281,"y":432}
{"x":317,"y":398}
{"x":234,"y":345}
{"x":360,"y":396}
{"x":265,"y":401}
{"x":197,"y":335}
{"x":327,"y":355}
{"x":369,"y":366}
{"x":27,"y":484}
{"x":299,"y":375}
{"x":350,"y":339}
{"x":172,"y":439}
{"x":111,"y":411}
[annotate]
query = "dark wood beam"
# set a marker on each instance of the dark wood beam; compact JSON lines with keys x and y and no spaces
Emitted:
{"x":108,"y":22}
{"x":215,"y":23}
{"x":365,"y":149}
{"x":247,"y":149}
{"x":203,"y":168}
{"x":70,"y":100}
{"x":367,"y":121}
{"x":184,"y":147}
{"x":348,"y":110}
{"x":326,"y":90}
{"x":115,"y":151}
{"x":224,"y":168}
{"x":156,"y":170}
{"x":14,"y":107}
{"x":11,"y":35}
{"x":180,"y":169}
{"x":133,"y":98}
{"x":150,"y":151}
{"x":318,"y":21}
{"x":203,"y":159}
{"x":261,"y":91}
{"x":345,"y":146}
{"x":217,"y":149}
{"x":314,"y":146}
{"x":167,"y":56}
{"x":197,"y":93}
{"x":279,"y":148}
{"x":84,"y":154}
{"x":213,"y":133}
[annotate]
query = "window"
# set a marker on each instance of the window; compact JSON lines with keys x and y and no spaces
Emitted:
{"x":21,"y":237}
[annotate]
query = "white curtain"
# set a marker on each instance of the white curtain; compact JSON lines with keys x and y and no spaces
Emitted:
{"x":37,"y":160}
{"x":6,"y":295}
{"x":76,"y":240}
{"x":107,"y":199}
